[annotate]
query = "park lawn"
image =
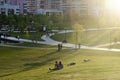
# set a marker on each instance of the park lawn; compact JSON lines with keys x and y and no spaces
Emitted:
{"x":90,"y":38}
{"x":33,"y":64}
{"x":26,"y":44}
{"x":27,"y":35}
{"x":115,"y":46}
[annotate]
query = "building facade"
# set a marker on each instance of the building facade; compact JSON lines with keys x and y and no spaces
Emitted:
{"x":49,"y":7}
{"x":31,"y":6}
{"x":7,"y":8}
{"x":81,"y":7}
{"x":22,"y":5}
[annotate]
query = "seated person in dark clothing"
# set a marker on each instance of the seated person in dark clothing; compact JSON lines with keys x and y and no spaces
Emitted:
{"x":57,"y":66}
{"x":60,"y":65}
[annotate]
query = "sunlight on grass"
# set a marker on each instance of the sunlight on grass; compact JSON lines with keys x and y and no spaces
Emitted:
{"x":33,"y":64}
{"x":90,"y":38}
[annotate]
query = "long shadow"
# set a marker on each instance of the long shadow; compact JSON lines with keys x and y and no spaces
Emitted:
{"x":51,"y":53}
{"x":30,"y":66}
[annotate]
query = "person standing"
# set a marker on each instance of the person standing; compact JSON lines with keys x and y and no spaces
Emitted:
{"x":59,"y":48}
{"x":18,"y":37}
{"x":79,"y":45}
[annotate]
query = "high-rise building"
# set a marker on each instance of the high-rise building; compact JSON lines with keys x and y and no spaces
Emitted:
{"x":82,"y":7}
{"x":75,"y":6}
{"x":7,"y":8}
{"x":49,"y":6}
{"x":22,"y":5}
{"x":25,"y":6}
{"x":31,"y":6}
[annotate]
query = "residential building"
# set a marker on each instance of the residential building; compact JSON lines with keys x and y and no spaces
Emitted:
{"x":49,"y":7}
{"x":83,"y":7}
{"x":22,"y":5}
{"x":7,"y":8}
{"x":31,"y":6}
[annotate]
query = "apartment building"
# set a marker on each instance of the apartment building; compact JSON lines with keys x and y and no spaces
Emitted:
{"x":31,"y":6}
{"x":22,"y":5}
{"x":49,"y":7}
{"x":7,"y":8}
{"x":75,"y":6}
{"x":83,"y":7}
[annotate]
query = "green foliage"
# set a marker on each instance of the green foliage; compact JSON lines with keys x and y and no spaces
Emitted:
{"x":3,"y":19}
{"x":64,"y":21}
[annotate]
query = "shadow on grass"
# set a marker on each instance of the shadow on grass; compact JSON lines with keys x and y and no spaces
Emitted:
{"x":51,"y":53}
{"x":30,"y":66}
{"x":33,"y":65}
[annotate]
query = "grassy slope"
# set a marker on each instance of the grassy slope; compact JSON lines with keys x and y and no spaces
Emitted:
{"x":26,"y":64}
{"x":115,"y":46}
{"x":90,"y":38}
{"x":33,"y":45}
{"x":27,"y":35}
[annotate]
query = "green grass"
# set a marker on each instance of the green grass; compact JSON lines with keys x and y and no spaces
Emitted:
{"x":90,"y":38}
{"x":33,"y":64}
{"x":32,"y":45}
{"x":115,"y":46}
{"x":27,"y":35}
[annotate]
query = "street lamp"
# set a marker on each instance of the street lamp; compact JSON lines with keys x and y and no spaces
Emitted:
{"x":76,"y":39}
{"x":64,"y":40}
{"x":111,"y":32}
{"x":32,"y":24}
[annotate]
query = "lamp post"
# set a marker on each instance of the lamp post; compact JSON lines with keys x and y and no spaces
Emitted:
{"x":64,"y":40}
{"x":76,"y":39}
{"x":32,"y":24}
{"x":111,"y":32}
{"x":110,"y":40}
{"x":65,"y":34}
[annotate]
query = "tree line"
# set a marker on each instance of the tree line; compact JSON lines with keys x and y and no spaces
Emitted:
{"x":37,"y":21}
{"x":34,"y":22}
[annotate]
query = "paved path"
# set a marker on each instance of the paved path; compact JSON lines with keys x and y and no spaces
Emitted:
{"x":49,"y":41}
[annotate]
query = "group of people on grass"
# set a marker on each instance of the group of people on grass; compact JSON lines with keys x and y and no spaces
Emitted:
{"x":58,"y":66}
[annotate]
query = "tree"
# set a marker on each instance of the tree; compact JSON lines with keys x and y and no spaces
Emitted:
{"x":3,"y":19}
{"x":78,"y":32}
{"x":11,"y":22}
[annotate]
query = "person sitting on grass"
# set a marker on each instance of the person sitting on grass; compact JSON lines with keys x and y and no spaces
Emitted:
{"x":60,"y":65}
{"x":57,"y":66}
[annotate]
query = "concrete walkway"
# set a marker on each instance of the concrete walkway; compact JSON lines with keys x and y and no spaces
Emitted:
{"x":49,"y":41}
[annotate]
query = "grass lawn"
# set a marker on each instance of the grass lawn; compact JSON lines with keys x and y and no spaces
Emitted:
{"x":27,"y":35}
{"x":115,"y":46}
{"x":32,"y":45}
{"x":33,"y":64}
{"x":90,"y":38}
